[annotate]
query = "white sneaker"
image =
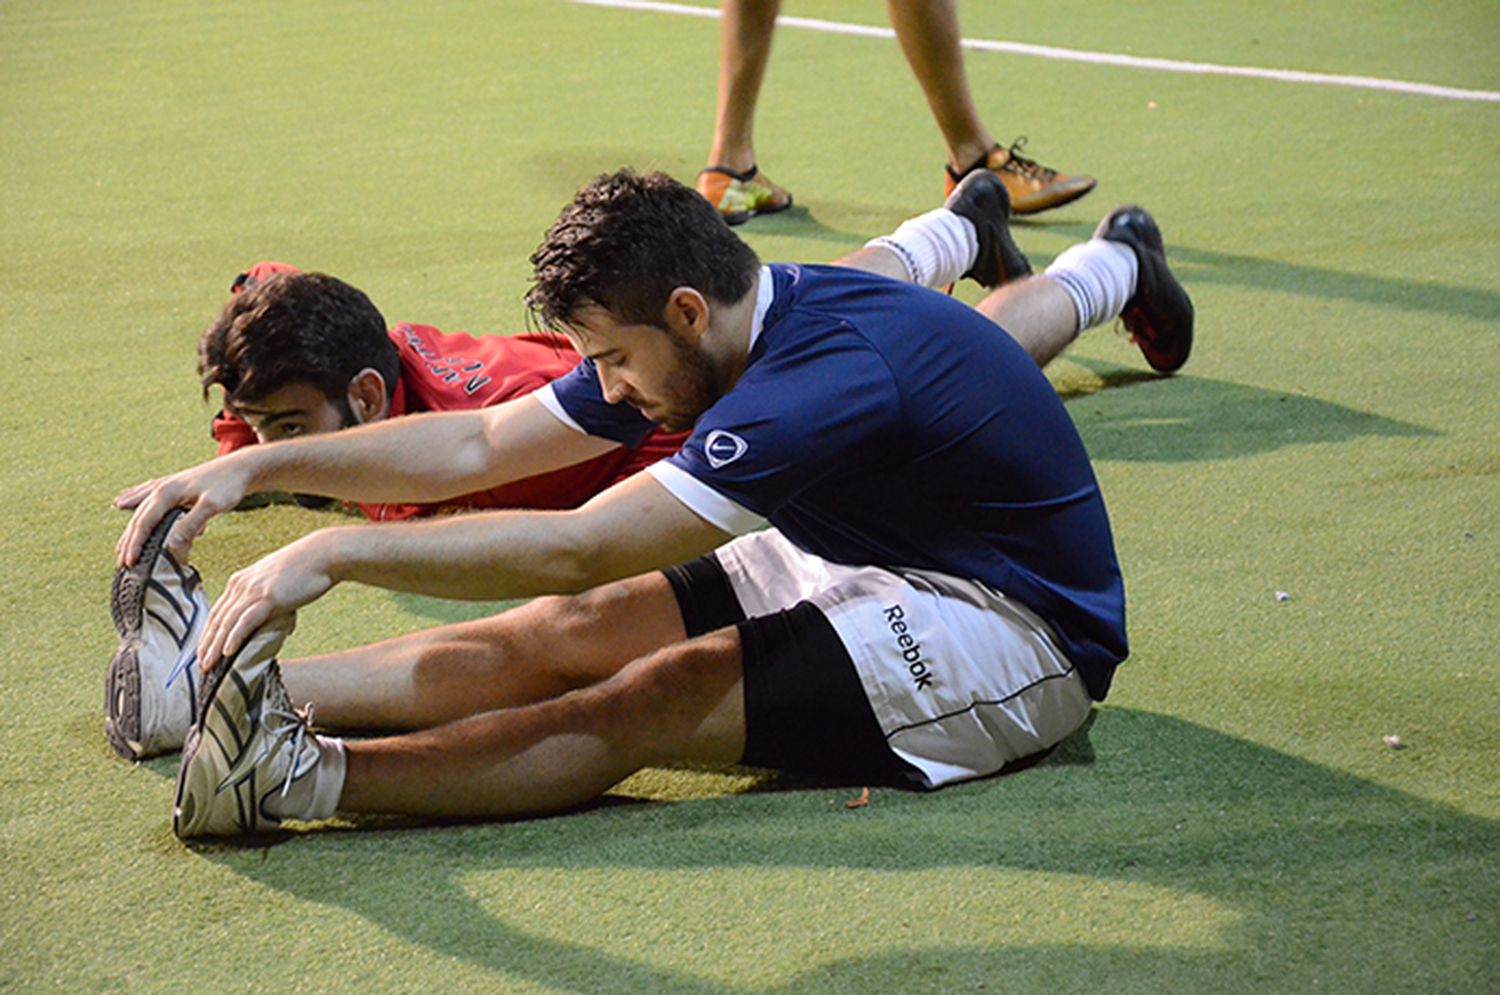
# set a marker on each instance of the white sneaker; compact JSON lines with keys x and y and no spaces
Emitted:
{"x":248,"y":749}
{"x":159,"y":609}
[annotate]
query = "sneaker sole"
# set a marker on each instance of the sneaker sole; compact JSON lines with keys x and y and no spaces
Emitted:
{"x":1050,"y":198}
{"x":127,"y":609}
{"x":184,"y":804}
{"x":127,"y":595}
{"x":738,"y":219}
{"x":122,"y":702}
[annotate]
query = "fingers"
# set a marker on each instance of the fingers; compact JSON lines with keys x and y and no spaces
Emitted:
{"x":234,"y":618}
{"x":132,"y":496}
{"x":148,"y":513}
{"x":281,"y":583}
{"x":187,"y":529}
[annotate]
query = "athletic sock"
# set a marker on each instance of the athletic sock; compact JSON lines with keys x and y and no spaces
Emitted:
{"x":937,"y":248}
{"x":1100,"y":277}
{"x":316,"y":795}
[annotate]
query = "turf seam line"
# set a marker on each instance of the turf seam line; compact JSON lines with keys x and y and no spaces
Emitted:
{"x":1093,"y":58}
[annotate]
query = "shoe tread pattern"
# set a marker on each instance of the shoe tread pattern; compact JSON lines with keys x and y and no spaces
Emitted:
{"x":127,"y":609}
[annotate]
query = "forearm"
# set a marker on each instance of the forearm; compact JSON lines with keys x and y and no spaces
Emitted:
{"x":632,"y":529}
{"x":478,"y":557}
{"x":413,"y":459}
{"x":423,"y":458}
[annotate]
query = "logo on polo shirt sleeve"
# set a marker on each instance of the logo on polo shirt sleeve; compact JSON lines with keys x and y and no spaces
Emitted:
{"x":723,"y":448}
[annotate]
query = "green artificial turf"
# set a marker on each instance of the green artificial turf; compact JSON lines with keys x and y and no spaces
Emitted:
{"x":1234,"y":821}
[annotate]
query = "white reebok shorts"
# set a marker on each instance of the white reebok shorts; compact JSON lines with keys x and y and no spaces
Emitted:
{"x":961,"y":679}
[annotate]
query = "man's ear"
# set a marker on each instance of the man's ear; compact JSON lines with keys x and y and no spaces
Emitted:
{"x":367,"y":396}
{"x":687,"y":314}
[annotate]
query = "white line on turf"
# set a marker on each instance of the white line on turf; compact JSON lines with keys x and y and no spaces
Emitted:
{"x":1094,"y":58}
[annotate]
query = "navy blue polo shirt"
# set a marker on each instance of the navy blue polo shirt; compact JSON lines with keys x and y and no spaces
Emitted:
{"x":885,"y":424}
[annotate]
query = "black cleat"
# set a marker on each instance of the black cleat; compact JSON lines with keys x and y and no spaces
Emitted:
{"x":1159,"y":316}
{"x":983,"y":200}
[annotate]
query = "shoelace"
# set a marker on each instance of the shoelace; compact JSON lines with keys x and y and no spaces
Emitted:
{"x":1017,"y":163}
{"x":293,"y":728}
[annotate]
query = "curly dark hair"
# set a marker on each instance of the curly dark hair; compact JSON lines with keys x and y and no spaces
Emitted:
{"x":626,"y":242}
{"x":296,"y":328}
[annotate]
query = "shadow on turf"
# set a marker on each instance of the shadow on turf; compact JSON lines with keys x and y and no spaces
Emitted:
{"x":1200,"y":419}
{"x":1269,"y":837}
{"x":1198,"y":266}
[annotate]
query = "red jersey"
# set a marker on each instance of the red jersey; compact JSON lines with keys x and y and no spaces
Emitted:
{"x":459,"y":372}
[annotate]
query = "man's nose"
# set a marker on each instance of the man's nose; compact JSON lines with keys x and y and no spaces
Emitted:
{"x":612,"y":386}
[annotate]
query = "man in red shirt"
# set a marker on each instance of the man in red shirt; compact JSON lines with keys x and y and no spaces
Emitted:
{"x":305,"y":353}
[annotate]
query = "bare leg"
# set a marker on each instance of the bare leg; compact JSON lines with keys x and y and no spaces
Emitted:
{"x":682,"y":703}
{"x":745,"y":31}
{"x":929,"y":37}
{"x":1035,"y":311}
{"x":878,"y":260}
{"x":537,"y":651}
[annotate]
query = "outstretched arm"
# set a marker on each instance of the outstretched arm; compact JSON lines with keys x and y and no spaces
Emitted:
{"x":633,"y":527}
{"x":415,"y":459}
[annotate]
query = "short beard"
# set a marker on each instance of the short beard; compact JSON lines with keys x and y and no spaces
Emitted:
{"x":691,"y":388}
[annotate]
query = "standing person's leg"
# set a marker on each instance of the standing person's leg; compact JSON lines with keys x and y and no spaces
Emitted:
{"x":929,"y":37}
{"x":746,"y":28}
{"x":732,"y":181}
{"x":930,"y":40}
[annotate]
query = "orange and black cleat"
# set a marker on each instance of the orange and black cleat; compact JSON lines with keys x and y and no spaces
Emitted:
{"x":1032,"y":186}
{"x":738,"y":197}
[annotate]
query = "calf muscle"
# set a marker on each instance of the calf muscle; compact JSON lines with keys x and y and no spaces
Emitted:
{"x":683,"y":703}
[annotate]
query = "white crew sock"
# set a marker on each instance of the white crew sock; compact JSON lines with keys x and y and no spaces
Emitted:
{"x":937,"y":248}
{"x":1100,"y":277}
{"x":315,"y":796}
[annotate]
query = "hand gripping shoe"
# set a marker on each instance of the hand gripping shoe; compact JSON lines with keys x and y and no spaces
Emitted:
{"x":982,"y":199}
{"x":248,"y":748}
{"x":1159,"y":316}
{"x":159,"y":610}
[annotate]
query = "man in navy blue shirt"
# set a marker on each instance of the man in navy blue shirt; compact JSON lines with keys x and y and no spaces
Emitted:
{"x":936,"y":595}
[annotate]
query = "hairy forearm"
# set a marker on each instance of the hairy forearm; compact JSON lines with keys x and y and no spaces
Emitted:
{"x":481,"y":557}
{"x":633,"y":528}
{"x":414,"y":459}
{"x":422,"y":458}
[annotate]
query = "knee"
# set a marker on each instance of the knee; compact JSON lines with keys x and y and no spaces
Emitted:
{"x":607,"y":612}
{"x":567,"y":619}
{"x":670,"y":693}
